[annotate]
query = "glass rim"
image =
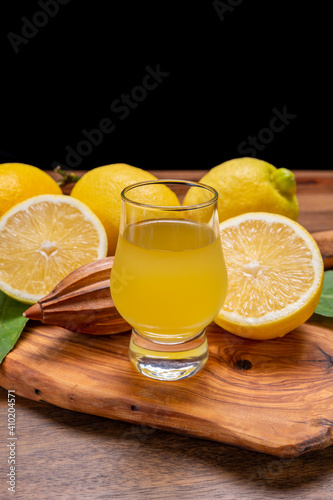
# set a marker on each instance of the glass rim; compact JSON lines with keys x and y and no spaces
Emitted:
{"x":196,"y":206}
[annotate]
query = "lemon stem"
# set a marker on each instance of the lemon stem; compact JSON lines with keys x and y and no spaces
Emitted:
{"x":66,"y":178}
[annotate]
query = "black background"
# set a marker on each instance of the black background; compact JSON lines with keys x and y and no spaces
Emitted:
{"x":229,"y":67}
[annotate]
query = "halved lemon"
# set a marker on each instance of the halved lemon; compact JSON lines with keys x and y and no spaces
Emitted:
{"x":275,"y":275}
{"x":42,"y":240}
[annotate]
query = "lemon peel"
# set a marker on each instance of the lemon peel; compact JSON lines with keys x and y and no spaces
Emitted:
{"x":19,"y":181}
{"x":100,"y":190}
{"x":285,"y":181}
{"x":250,"y":185}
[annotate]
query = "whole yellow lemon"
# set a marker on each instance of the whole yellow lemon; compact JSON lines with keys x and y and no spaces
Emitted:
{"x":251,"y":185}
{"x":100,"y":190}
{"x":19,"y":181}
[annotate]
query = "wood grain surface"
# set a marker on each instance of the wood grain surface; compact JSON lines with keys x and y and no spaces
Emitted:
{"x":64,"y":454}
{"x":274,"y":397}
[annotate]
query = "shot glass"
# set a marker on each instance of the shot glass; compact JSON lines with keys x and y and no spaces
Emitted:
{"x":169,"y":278}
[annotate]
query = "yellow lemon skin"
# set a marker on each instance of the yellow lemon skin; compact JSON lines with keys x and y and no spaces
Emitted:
{"x":273,"y":329}
{"x":100,"y":190}
{"x":252,"y":185}
{"x":19,"y":181}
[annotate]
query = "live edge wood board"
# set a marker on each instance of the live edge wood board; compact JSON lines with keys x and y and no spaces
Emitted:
{"x":274,"y":397}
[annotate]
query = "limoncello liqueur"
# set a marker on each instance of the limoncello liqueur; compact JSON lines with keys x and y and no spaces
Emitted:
{"x":169,"y":279}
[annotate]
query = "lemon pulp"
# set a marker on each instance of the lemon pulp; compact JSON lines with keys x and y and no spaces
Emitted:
{"x":275,"y":275}
{"x":42,"y":240}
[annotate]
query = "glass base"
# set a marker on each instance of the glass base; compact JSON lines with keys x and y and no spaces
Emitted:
{"x":168,"y":362}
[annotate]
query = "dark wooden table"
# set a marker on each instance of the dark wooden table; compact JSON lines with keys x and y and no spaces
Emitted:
{"x":61,"y":454}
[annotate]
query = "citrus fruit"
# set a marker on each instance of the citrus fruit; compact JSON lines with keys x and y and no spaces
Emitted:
{"x":250,"y":185}
{"x":100,"y":189}
{"x":42,"y":240}
{"x":19,"y":182}
{"x":275,"y":275}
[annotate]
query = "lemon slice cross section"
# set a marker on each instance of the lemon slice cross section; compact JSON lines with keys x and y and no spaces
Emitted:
{"x":42,"y":240}
{"x":275,"y":275}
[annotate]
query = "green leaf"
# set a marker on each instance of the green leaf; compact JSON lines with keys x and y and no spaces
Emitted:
{"x":325,"y":306}
{"x":12,"y":323}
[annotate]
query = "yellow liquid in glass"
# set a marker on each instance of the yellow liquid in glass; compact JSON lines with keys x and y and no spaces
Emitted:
{"x":169,"y":278}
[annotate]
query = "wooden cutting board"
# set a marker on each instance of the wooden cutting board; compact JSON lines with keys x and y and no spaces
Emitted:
{"x":274,"y":397}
